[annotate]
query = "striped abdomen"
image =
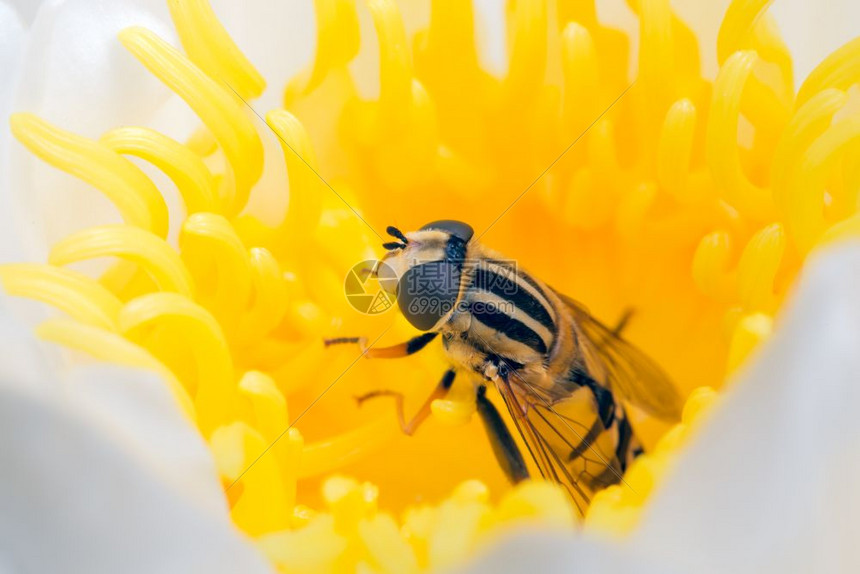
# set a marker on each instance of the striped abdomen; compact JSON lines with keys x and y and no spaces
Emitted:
{"x":510,"y":312}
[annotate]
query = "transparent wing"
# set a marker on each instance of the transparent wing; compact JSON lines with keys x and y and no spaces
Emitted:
{"x":574,"y":451}
{"x":630,"y":373}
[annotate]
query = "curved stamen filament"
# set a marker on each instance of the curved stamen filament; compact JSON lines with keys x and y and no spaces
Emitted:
{"x":152,"y":253}
{"x":121,"y":181}
{"x":220,"y":110}
{"x":191,"y":176}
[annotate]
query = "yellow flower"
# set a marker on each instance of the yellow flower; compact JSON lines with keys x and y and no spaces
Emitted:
{"x":695,"y":202}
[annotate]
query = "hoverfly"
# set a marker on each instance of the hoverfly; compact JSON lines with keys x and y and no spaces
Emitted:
{"x":560,"y":372}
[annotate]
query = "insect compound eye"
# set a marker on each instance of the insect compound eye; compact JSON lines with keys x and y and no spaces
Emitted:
{"x":458,"y":229}
{"x":427,"y":292}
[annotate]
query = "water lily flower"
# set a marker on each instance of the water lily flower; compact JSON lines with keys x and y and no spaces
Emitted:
{"x":184,"y":188}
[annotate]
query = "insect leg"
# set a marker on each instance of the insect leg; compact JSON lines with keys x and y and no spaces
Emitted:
{"x":617,"y":329}
{"x":628,"y":445}
{"x":410,"y":427}
{"x":622,"y":322}
{"x":404,"y":349}
{"x":507,"y":453}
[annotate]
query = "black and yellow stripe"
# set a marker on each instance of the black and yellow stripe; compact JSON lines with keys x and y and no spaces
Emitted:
{"x":510,"y":309}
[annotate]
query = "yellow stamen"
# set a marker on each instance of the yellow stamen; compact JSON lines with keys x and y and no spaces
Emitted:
{"x":191,"y":176}
{"x":210,"y":47}
{"x":749,"y":334}
{"x":314,"y":548}
{"x":811,"y":119}
{"x":269,"y":303}
{"x":840,"y":70}
{"x":305,"y":207}
{"x":676,"y":149}
{"x":204,"y":341}
{"x":121,"y":181}
{"x":395,"y":63}
{"x":321,"y":457}
{"x":215,"y":256}
{"x":805,"y":194}
{"x":262,"y":507}
{"x":338,"y":42}
{"x":152,"y":253}
{"x":387,"y":549}
{"x":758,"y":267}
{"x":723,"y":158}
{"x":216,"y":106}
{"x":71,"y":292}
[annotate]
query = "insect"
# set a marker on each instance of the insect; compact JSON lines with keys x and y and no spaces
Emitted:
{"x":562,"y":375}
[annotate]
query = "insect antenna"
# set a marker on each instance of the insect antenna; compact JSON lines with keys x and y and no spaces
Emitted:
{"x":394,"y":245}
{"x":396,"y":233}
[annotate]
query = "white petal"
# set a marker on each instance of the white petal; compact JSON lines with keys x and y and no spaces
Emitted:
{"x":559,"y":552}
{"x":490,"y":29}
{"x":102,"y":474}
{"x":24,"y":362}
{"x":77,"y":75}
{"x":12,"y":38}
{"x":26,"y":9}
{"x":12,"y":34}
{"x":279,"y":38}
{"x":812,"y":30}
{"x":136,"y":410}
{"x":770,"y":483}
